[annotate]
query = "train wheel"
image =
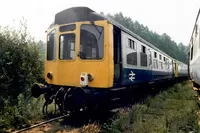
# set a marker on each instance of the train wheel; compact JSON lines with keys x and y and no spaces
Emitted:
{"x":74,"y":100}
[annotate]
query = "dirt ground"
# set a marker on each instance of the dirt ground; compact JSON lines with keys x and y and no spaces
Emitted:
{"x":48,"y":128}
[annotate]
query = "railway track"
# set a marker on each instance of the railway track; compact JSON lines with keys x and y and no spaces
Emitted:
{"x":85,"y":116}
{"x":125,"y":99}
{"x":42,"y":123}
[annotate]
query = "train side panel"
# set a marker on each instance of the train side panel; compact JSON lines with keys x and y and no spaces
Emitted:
{"x":195,"y":69}
{"x":132,"y":71}
{"x":194,"y":62}
{"x":182,"y":70}
{"x":141,"y":63}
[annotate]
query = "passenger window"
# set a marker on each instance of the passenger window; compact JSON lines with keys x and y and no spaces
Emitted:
{"x":131,"y":44}
{"x":51,"y":46}
{"x":67,"y":47}
{"x":196,"y":30}
{"x":155,"y":55}
{"x":191,"y":53}
{"x":91,"y":42}
{"x":143,"y":56}
{"x":132,"y":58}
{"x":143,"y":49}
{"x":66,"y":28}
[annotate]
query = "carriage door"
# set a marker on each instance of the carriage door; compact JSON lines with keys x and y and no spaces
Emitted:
{"x":176,"y":69}
{"x":117,"y":54}
{"x":173,"y":70}
{"x":149,"y":54}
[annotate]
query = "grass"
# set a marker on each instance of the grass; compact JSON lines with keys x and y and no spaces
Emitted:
{"x":89,"y":128}
{"x":27,"y":112}
{"x":173,"y":110}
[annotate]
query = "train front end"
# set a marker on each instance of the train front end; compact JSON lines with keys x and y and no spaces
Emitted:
{"x":78,"y":55}
{"x":79,"y":59}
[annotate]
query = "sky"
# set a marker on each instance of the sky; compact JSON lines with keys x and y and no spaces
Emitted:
{"x":173,"y":17}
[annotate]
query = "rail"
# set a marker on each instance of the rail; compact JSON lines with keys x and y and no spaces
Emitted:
{"x":39,"y":124}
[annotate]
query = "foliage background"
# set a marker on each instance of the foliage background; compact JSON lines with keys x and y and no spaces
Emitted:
{"x":21,"y":65}
{"x":163,"y":42}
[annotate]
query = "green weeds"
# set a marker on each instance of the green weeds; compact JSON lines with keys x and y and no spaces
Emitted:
{"x":173,"y":110}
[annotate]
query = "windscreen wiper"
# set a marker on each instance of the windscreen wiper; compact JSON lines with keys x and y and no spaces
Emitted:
{"x":100,"y":32}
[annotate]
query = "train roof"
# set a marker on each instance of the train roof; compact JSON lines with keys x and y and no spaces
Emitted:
{"x":76,"y":14}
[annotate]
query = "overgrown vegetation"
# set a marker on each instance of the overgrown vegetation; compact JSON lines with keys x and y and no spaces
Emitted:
{"x":21,"y":64}
{"x":173,"y":110}
{"x":89,"y":128}
{"x":20,"y":67}
{"x":163,"y":42}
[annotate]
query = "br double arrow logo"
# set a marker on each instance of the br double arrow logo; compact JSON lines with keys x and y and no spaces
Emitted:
{"x":131,"y":76}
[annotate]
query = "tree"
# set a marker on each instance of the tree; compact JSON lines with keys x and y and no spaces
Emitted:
{"x":20,"y":66}
{"x":163,"y":42}
{"x":20,"y":63}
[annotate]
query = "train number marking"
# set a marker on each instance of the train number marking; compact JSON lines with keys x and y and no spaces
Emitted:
{"x":131,"y":76}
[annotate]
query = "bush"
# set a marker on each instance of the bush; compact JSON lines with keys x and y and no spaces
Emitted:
{"x":20,"y":67}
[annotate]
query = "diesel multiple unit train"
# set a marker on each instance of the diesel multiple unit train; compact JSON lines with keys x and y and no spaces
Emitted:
{"x":88,"y":54}
{"x":194,"y":54}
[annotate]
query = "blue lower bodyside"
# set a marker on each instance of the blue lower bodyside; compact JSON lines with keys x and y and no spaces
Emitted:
{"x":135,"y":76}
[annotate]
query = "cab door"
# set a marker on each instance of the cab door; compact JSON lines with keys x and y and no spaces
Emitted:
{"x":176,"y":69}
{"x":95,"y":53}
{"x":150,"y":63}
{"x":117,"y":54}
